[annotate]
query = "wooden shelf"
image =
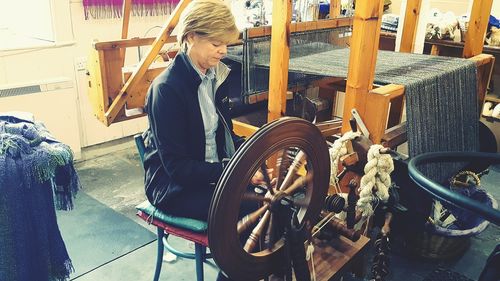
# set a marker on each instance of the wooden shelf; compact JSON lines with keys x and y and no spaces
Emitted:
{"x":447,"y":43}
{"x":492,"y":99}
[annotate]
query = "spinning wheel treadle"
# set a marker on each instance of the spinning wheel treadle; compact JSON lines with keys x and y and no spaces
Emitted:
{"x":254,"y":248}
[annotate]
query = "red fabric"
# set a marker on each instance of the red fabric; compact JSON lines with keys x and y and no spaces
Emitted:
{"x":200,"y":238}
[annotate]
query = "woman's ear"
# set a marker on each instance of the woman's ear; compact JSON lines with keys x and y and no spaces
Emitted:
{"x":190,"y":38}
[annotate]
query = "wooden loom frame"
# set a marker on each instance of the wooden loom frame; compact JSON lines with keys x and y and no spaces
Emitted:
{"x":386,"y":102}
{"x":109,"y":95}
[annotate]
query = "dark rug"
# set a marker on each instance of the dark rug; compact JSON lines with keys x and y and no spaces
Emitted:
{"x":95,"y":234}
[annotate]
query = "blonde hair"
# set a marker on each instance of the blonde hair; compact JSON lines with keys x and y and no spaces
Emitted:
{"x":210,"y":19}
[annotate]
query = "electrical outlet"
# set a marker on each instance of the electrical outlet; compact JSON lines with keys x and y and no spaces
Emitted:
{"x":80,"y":63}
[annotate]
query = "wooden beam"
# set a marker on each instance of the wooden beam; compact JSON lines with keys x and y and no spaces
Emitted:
{"x":474,"y":39}
{"x":301,"y":26}
{"x":330,"y":127}
{"x":127,"y":43}
{"x":280,"y":58}
{"x":334,"y":9}
{"x":376,"y":114}
{"x":410,"y":26}
{"x":125,"y":23}
{"x":362,"y":58}
{"x":395,"y":136}
{"x":484,"y":64}
{"x":167,"y":29}
{"x":97,"y":90}
{"x":244,"y":129}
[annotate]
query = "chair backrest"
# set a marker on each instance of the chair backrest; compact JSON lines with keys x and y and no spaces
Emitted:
{"x":139,"y":142}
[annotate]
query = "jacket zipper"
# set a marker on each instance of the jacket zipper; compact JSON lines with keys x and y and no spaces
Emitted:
{"x":224,"y":73}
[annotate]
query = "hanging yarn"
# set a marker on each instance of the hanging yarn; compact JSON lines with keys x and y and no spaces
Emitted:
{"x":338,"y":150}
{"x":105,"y":9}
{"x":376,"y":181}
{"x":310,"y":256}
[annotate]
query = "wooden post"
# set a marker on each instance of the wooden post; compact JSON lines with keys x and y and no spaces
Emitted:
{"x":125,"y":24}
{"x":132,"y":82}
{"x":410,"y":26}
{"x":280,"y":55}
{"x":334,"y":9}
{"x":377,"y":115}
{"x":484,"y":63}
{"x":362,"y":59}
{"x":474,"y":39}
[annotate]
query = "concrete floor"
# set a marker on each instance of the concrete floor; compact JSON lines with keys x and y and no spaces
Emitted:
{"x":113,"y":176}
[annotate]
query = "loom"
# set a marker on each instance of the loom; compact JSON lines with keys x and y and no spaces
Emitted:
{"x":379,"y":106}
{"x":253,"y":57}
{"x":440,"y":89}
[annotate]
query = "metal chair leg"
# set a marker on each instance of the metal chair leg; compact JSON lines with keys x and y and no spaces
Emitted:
{"x":159,"y":256}
{"x":200,"y":252}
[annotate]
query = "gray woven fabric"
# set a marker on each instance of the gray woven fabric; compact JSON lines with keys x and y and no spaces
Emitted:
{"x":441,"y":97}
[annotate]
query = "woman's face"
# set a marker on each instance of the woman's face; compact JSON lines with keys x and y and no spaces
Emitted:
{"x":205,"y":53}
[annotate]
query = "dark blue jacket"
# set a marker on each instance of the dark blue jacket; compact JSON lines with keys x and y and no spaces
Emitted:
{"x":175,"y":141}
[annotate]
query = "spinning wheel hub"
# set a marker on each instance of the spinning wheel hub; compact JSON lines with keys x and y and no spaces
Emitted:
{"x":278,"y":200}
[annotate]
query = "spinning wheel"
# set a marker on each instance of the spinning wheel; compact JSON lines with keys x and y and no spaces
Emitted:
{"x":252,"y":247}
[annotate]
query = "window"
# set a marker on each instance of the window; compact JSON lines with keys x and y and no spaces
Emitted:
{"x":26,"y":24}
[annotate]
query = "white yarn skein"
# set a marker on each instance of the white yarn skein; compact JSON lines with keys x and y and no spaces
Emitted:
{"x":338,"y":150}
{"x":496,"y":112}
{"x":487,"y":109}
{"x":377,"y":173}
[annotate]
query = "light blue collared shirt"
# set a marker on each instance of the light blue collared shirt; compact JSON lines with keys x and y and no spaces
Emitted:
{"x":206,"y":97}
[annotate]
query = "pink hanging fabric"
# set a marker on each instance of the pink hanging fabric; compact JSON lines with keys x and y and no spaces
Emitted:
{"x":103,"y":9}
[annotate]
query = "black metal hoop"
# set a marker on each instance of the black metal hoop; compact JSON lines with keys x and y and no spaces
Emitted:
{"x":441,"y":193}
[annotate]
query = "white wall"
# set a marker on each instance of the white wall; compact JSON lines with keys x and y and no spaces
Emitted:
{"x":67,"y":113}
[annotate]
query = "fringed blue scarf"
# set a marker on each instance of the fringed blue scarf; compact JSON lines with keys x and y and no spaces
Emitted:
{"x":36,"y":176}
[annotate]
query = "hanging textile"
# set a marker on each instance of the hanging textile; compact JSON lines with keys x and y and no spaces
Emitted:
{"x":103,"y":9}
{"x":36,"y":177}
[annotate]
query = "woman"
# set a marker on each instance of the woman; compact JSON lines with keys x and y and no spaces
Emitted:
{"x":190,"y":131}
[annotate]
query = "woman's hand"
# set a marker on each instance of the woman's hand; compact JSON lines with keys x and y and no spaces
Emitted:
{"x":258,"y":178}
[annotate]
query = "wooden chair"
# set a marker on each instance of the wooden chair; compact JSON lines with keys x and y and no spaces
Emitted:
{"x":186,"y":228}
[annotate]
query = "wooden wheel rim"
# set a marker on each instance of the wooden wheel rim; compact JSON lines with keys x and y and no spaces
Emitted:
{"x":224,"y":241}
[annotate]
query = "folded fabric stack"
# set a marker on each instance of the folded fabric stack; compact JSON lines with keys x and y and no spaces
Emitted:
{"x":390,"y":22}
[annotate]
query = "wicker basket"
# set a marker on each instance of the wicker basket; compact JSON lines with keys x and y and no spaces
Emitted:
{"x":435,"y":242}
{"x":435,"y":246}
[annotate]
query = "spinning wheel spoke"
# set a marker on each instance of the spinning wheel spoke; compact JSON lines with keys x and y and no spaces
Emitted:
{"x":249,"y":196}
{"x":299,"y":182}
{"x":282,"y":163}
{"x":263,"y":170}
{"x":254,"y":237}
{"x":250,"y":219}
{"x":270,"y":234}
{"x":292,"y":170}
